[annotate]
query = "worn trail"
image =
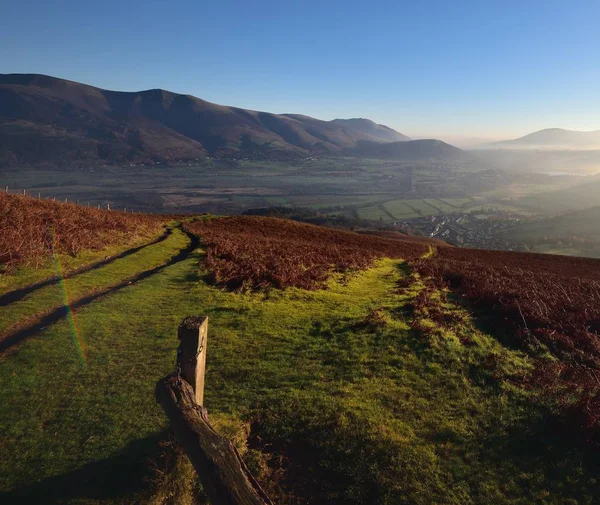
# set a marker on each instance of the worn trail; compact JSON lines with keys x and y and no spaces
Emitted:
{"x":20,"y":293}
{"x":40,"y":321}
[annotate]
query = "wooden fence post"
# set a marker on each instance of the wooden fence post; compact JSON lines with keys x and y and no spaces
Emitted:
{"x":225,"y":478}
{"x":191,"y":354}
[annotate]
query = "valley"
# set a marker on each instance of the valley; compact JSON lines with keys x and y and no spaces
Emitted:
{"x":472,"y":204}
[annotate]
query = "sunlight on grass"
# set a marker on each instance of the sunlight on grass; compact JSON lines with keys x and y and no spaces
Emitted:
{"x":344,"y":375}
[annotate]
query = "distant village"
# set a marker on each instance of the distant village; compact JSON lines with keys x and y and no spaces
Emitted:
{"x":483,"y":230}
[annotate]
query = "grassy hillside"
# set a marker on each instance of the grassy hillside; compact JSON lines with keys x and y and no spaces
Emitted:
{"x":377,"y":385}
{"x":582,"y":225}
{"x":577,"y":197}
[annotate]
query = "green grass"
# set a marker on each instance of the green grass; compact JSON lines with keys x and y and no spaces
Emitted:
{"x":24,"y":276}
{"x":456,"y":202}
{"x":400,"y":210}
{"x":384,"y":411}
{"x":52,"y":296}
{"x":276,"y":200}
{"x":373,"y":213}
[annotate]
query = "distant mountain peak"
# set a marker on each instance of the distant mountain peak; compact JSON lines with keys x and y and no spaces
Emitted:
{"x":550,"y":138}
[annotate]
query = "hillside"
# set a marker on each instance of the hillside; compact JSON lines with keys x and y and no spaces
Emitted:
{"x":580,"y":196}
{"x":46,"y":120}
{"x":375,"y":132}
{"x":551,"y":138}
{"x":580,"y":226}
{"x":410,"y":150}
{"x":346,"y":368}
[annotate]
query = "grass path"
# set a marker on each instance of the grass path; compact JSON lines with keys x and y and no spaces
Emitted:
{"x":42,"y":302}
{"x":25,"y":276}
{"x":130,"y":342}
{"x":380,"y":403}
{"x":20,"y":291}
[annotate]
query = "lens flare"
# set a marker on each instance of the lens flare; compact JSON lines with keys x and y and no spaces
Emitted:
{"x":71,"y":318}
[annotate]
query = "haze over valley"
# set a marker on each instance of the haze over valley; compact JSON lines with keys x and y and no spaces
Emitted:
{"x":160,"y":151}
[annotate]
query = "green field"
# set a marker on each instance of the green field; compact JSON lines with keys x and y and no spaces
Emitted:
{"x":374,"y":213}
{"x":455,"y":202}
{"x":400,"y":210}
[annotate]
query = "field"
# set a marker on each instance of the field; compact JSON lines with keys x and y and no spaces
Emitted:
{"x":222,"y":186}
{"x":347,"y":369}
{"x":404,"y":209}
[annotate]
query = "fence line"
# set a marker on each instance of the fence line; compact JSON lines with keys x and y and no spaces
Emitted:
{"x":53,"y":198}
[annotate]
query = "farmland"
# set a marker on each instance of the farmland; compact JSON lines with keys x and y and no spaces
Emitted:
{"x":386,"y":193}
{"x":409,"y":376}
{"x":232,"y":186}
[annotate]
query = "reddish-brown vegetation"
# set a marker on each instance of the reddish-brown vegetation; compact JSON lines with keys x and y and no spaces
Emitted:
{"x":396,"y":235}
{"x":547,"y":302}
{"x":30,"y":228}
{"x":249,"y":252}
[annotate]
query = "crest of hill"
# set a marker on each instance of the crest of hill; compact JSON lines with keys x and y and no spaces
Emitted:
{"x":376,"y":132}
{"x":46,"y":119}
{"x":550,"y":138}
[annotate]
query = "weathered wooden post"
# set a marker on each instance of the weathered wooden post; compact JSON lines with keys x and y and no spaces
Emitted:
{"x":225,"y":478}
{"x":191,"y":354}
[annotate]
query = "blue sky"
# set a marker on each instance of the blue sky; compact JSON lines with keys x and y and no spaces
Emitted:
{"x":427,"y":68}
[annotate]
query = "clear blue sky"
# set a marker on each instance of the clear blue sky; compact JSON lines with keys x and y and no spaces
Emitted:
{"x":435,"y":68}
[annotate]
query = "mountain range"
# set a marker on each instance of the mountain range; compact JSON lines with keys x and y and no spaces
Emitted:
{"x":46,"y":120}
{"x":550,"y":138}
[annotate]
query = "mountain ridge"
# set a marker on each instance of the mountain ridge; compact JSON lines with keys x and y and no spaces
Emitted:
{"x":47,"y":119}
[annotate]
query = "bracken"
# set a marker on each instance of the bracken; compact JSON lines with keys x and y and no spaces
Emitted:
{"x":30,"y":229}
{"x":248,"y":252}
{"x":543,"y":300}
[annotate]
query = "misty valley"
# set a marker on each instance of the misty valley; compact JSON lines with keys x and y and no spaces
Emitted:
{"x":492,"y":200}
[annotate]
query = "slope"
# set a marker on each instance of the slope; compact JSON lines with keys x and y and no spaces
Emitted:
{"x":410,"y":150}
{"x":376,"y":132}
{"x":49,"y":120}
{"x":376,"y":404}
{"x":581,"y":225}
{"x":391,"y":392}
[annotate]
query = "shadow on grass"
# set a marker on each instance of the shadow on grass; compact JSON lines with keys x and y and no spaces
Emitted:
{"x":571,"y":464}
{"x":125,"y":473}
